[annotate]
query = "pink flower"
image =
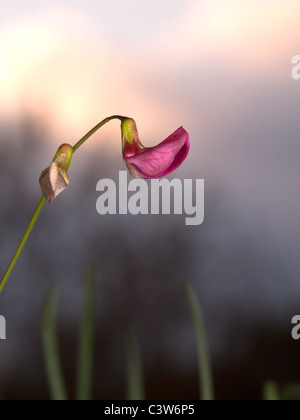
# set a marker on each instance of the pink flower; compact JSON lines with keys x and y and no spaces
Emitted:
{"x":157,"y":161}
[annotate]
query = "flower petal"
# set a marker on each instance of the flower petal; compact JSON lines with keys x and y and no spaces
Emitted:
{"x":158,"y":161}
{"x":53,"y":181}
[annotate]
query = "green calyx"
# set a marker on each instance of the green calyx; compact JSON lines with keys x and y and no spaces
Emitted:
{"x":128,"y":128}
{"x":63,"y":156}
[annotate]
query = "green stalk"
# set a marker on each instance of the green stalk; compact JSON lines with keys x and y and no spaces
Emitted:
{"x":96,"y":128}
{"x":135,"y":380}
{"x":87,"y":339}
{"x":43,"y":200}
{"x":22,"y":243}
{"x":271,"y":391}
{"x":204,"y":361}
{"x":50,"y":346}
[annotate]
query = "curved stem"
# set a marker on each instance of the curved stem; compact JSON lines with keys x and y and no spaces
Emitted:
{"x":22,"y":243}
{"x":43,"y":200}
{"x":96,"y":128}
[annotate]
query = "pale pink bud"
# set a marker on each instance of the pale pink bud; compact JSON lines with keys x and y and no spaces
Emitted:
{"x":55,"y":179}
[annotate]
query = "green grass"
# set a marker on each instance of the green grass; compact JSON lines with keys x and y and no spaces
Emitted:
{"x":57,"y":386}
{"x":50,"y":345}
{"x":271,"y":391}
{"x":87,"y":339}
{"x":204,"y":362}
{"x":135,"y":381}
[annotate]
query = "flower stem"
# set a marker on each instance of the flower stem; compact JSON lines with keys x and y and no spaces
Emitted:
{"x":96,"y":128}
{"x":22,"y":243}
{"x":43,"y":200}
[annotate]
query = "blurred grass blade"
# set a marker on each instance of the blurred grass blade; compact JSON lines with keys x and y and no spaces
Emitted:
{"x":135,"y":379}
{"x":205,"y":368}
{"x":290,"y":392}
{"x":50,"y":346}
{"x":87,"y":338}
{"x":271,"y":391}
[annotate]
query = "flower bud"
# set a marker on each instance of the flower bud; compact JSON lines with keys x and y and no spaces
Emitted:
{"x":55,"y":179}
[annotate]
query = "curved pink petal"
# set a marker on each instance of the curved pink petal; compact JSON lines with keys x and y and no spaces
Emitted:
{"x":159,"y":161}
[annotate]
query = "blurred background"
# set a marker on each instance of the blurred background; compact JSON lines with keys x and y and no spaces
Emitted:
{"x":222,"y":69}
